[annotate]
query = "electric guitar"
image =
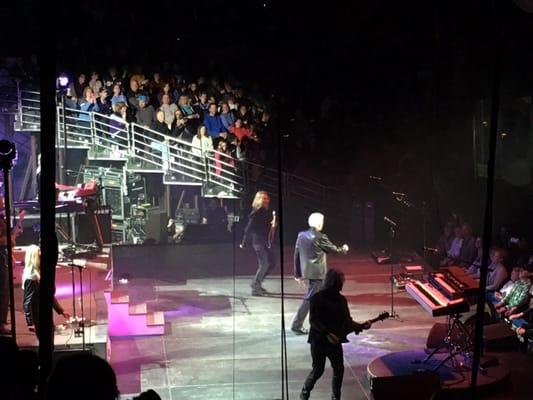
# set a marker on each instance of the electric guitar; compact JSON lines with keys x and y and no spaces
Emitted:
{"x":333,"y":339}
{"x":272,"y":231}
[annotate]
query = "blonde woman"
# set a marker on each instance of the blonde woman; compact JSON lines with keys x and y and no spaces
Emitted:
{"x":261,"y":222}
{"x":31,"y":277}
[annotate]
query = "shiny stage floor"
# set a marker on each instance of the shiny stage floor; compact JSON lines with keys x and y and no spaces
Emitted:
{"x":221,"y":343}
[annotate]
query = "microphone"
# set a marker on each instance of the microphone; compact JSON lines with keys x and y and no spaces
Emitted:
{"x":430,"y":249}
{"x":390,"y":221}
{"x":399,"y":194}
{"x":375,"y":178}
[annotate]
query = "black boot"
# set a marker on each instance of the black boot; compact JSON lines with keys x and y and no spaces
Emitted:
{"x":304,"y":394}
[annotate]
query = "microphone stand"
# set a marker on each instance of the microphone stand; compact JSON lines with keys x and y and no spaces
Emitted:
{"x":392,"y":234}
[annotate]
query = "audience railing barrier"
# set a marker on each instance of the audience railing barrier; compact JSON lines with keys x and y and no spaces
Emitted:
{"x":109,"y":137}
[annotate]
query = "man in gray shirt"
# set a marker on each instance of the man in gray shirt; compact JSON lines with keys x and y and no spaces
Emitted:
{"x":497,"y":274}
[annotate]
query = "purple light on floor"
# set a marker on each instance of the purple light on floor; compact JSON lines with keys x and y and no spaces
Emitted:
{"x":184,"y":311}
{"x":65,"y":290}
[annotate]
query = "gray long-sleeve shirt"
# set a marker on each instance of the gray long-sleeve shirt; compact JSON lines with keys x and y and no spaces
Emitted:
{"x":496,"y":277}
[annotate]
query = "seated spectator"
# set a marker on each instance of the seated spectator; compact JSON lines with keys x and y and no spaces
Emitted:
{"x":155,"y":86}
{"x":178,"y":127}
{"x":244,"y":114}
{"x":504,"y":291}
{"x":104,"y":105}
{"x":112,"y":78}
{"x":468,"y":251}
{"x":518,"y":297}
{"x":119,"y":118}
{"x":145,"y":112}
{"x":192,"y":93}
{"x":455,"y":248}
{"x":203,"y":104}
{"x":77,"y":88}
{"x":69,"y":377}
{"x":476,"y":264}
{"x":160,"y":125}
{"x":87,"y":104}
{"x":189,"y":113}
{"x":167,"y":89}
{"x":95,"y":83}
{"x":222,"y":155}
{"x":201,"y":142}
{"x":169,"y":109}
{"x":212,"y":122}
{"x":240,"y":131}
{"x":227,"y":116}
{"x":132,"y":95}
{"x":497,"y":274}
{"x":118,"y":97}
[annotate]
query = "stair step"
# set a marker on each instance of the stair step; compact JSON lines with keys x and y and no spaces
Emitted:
{"x":155,"y":318}
{"x":120,"y":297}
{"x":136,"y":309}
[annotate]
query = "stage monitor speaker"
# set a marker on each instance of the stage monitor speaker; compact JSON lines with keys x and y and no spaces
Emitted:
{"x":156,"y":225}
{"x":420,"y":385}
{"x":86,"y":230}
{"x":204,"y":233}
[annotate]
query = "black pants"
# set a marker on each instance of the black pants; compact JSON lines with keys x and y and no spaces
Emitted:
{"x":265,"y":263}
{"x":29,"y":296}
{"x":320,"y":350}
{"x":4,"y":286}
{"x":299,"y":318}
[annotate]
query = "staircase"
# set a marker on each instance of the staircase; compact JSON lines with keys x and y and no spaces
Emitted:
{"x":125,"y":319}
{"x":140,"y":149}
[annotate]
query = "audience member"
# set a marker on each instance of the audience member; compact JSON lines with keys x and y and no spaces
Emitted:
{"x":227,"y":117}
{"x":497,"y":274}
{"x":169,"y":109}
{"x":145,"y":112}
{"x":95,"y":83}
{"x":71,"y":376}
{"x":240,"y":131}
{"x":212,"y":122}
{"x":77,"y":87}
{"x":518,"y":297}
{"x":104,"y":105}
{"x":202,"y":144}
{"x":118,"y":97}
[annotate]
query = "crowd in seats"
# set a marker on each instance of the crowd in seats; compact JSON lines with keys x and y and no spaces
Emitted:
{"x":509,"y":288}
{"x":174,"y":106}
{"x":68,"y":380}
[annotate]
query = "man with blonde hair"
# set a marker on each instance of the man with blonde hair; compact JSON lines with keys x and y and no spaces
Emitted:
{"x":310,"y":263}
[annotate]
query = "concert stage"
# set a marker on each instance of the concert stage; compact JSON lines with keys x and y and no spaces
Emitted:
{"x":221,"y":343}
{"x":218,"y":342}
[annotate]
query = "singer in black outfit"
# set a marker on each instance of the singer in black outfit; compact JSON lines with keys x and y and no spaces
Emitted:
{"x":330,"y":321}
{"x":260,"y":223}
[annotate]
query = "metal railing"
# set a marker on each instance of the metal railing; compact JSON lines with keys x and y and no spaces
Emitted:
{"x":108,"y":137}
{"x":111,"y":137}
{"x":76,"y":127}
{"x":28,"y":117}
{"x":225,"y":172}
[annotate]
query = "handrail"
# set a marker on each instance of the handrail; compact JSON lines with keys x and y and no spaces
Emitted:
{"x":163,"y":152}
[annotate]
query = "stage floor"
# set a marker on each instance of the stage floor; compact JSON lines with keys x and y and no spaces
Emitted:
{"x":221,"y":343}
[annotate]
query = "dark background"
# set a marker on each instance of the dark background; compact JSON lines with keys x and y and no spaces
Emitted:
{"x":377,"y":87}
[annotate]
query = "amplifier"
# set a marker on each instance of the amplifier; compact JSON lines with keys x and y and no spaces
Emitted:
{"x":113,"y":198}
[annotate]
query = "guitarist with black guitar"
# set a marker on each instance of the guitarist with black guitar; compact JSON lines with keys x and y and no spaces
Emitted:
{"x":330,"y":321}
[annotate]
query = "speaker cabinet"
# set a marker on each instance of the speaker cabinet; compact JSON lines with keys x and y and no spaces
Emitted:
{"x":421,"y":386}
